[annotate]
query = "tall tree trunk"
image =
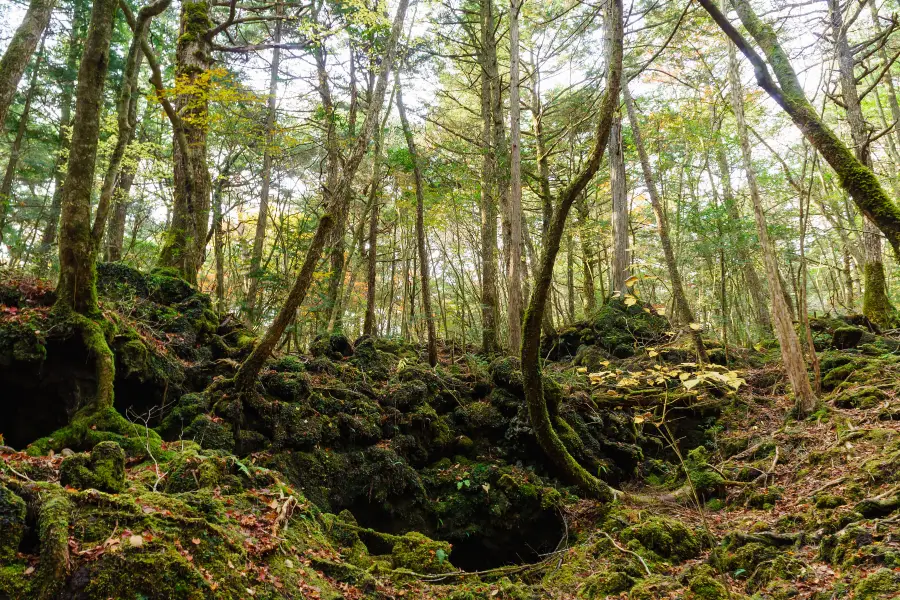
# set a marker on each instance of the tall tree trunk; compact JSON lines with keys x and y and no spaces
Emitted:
{"x":489,"y":302}
{"x":260,"y":237}
{"x":514,"y":311}
{"x":754,"y":285}
{"x":876,"y":304}
{"x":372,"y":254}
{"x":185,"y":239}
{"x":686,"y":315}
{"x":420,"y":226}
{"x":67,"y":86}
{"x":858,"y":180}
{"x":246,"y":376}
{"x":587,"y":255}
{"x":621,"y":256}
{"x":76,"y":291}
{"x":21,"y":47}
{"x":791,"y":351}
{"x":15,"y":150}
{"x":538,"y":410}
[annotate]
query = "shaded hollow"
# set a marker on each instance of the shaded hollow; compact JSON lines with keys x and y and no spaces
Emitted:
{"x":37,"y":398}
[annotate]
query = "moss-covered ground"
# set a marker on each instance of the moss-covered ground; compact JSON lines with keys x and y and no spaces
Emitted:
{"x":360,"y":472}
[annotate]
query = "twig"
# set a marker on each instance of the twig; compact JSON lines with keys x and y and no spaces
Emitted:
{"x":627,"y":551}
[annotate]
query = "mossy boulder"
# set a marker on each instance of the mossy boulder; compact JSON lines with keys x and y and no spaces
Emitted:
{"x":844,"y":338}
{"x":621,"y":328}
{"x":856,"y":396}
{"x":666,"y":537}
{"x":12,"y":523}
{"x":421,"y":554}
{"x":703,"y":585}
{"x":103,"y":469}
{"x":602,"y":585}
{"x":882,"y":584}
{"x":335,"y":346}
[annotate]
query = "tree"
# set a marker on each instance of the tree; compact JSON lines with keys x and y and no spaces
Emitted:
{"x":21,"y":47}
{"x":531,"y":331}
{"x":515,"y":191}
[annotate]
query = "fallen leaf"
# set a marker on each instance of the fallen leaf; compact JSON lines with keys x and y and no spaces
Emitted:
{"x":136,"y":541}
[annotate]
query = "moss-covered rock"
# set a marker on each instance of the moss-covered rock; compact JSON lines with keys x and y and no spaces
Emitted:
{"x":602,"y":585}
{"x":12,"y":523}
{"x":666,"y":537}
{"x":103,"y":469}
{"x":421,"y":554}
{"x":882,"y":584}
{"x":844,"y":338}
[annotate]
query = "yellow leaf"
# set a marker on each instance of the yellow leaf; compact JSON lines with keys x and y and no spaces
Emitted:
{"x":631,"y":281}
{"x":696,"y":326}
{"x":581,"y":370}
{"x":630,"y":300}
{"x":652,"y":353}
{"x":638,"y":419}
{"x":691,"y":383}
{"x":684,"y":376}
{"x":604,"y":363}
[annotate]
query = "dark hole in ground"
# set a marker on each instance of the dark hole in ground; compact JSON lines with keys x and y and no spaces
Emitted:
{"x":496,"y":547}
{"x":141,"y":401}
{"x":492,"y":545}
{"x":36,"y":399}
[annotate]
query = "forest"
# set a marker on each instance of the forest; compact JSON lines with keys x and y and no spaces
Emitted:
{"x":465,"y":299}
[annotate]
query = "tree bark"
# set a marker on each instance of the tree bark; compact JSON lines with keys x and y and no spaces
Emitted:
{"x":246,"y":376}
{"x":514,"y":305}
{"x":489,"y":302}
{"x":531,"y":332}
{"x":621,"y":256}
{"x":185,"y":239}
{"x":260,"y":237}
{"x":791,"y":351}
{"x":369,"y":327}
{"x":21,"y":47}
{"x":420,"y":226}
{"x":859,"y":181}
{"x":686,"y":315}
{"x":76,"y":291}
{"x":587,"y":255}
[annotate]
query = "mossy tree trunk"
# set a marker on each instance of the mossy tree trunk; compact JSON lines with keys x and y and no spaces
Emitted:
{"x":791,"y":352}
{"x":685,"y":314}
{"x":245,"y":378}
{"x":876,"y":304}
{"x":531,"y":332}
{"x":185,"y":240}
{"x":420,"y":226}
{"x":21,"y":47}
{"x":514,"y":311}
{"x":858,"y":180}
{"x":76,"y":292}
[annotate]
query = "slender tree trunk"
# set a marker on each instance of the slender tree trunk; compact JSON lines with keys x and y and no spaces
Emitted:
{"x":21,"y":47}
{"x":246,"y":376}
{"x":621,"y":257}
{"x":515,"y":192}
{"x":185,"y":240}
{"x":587,"y":254}
{"x":791,"y":352}
{"x":539,"y":414}
{"x":372,"y":253}
{"x":263,"y":215}
{"x":685,"y":314}
{"x":489,"y":302}
{"x":420,"y":226}
{"x":15,"y":150}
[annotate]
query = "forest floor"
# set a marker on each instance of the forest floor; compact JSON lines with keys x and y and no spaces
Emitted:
{"x":362,"y":473}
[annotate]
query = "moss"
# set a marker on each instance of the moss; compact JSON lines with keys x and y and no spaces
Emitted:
{"x":103,"y":469}
{"x":851,"y":396}
{"x":846,"y":337}
{"x":12,"y":523}
{"x":89,"y":429}
{"x":876,"y":304}
{"x":766,"y":498}
{"x":653,"y":588}
{"x":829,"y":501}
{"x":421,"y":554}
{"x":603,"y":584}
{"x":135,"y":573}
{"x":883,"y":583}
{"x":668,"y":538}
{"x":704,"y":586}
{"x":705,"y":481}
